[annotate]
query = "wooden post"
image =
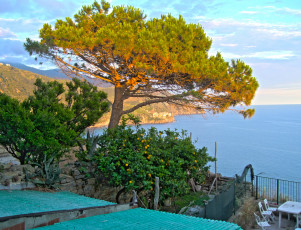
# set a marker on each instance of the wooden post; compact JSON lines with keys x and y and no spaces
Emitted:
{"x":134,"y":200}
{"x":157,"y":192}
{"x":215,"y":166}
{"x":190,"y":136}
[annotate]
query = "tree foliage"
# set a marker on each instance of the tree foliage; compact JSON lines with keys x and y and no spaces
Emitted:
{"x":160,"y":59}
{"x":132,"y":158}
{"x":42,"y":125}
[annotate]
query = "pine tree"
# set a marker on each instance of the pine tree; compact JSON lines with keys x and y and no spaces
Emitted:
{"x":160,"y":59}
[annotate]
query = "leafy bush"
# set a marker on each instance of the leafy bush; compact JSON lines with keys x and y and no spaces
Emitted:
{"x":44,"y":125}
{"x":132,"y":158}
{"x":39,"y":130}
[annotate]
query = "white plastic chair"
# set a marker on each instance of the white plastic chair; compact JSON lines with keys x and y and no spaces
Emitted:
{"x":267,"y":206}
{"x":261,"y":223}
{"x":298,"y":221}
{"x":267,"y":215}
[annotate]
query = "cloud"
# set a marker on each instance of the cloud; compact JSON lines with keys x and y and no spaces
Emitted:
{"x":268,"y":55}
{"x":248,"y":12}
{"x":44,"y":66}
{"x":292,"y":11}
{"x":228,"y":44}
{"x":154,"y":8}
{"x":47,"y":10}
{"x":278,"y":96}
{"x":12,"y":48}
{"x":273,"y":31}
{"x":219,"y":36}
{"x":281,"y":32}
{"x":281,"y":74}
{"x":22,"y":27}
{"x":277,"y":55}
{"x":253,"y":40}
{"x":6,"y":33}
{"x":277,"y":10}
{"x":13,"y":51}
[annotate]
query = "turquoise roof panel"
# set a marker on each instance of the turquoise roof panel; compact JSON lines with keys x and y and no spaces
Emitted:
{"x":18,"y":202}
{"x":137,"y":219}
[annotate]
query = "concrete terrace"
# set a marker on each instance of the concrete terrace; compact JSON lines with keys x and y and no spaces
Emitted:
{"x":285,"y":224}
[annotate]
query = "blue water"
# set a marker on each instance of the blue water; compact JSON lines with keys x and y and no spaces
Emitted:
{"x":270,"y":140}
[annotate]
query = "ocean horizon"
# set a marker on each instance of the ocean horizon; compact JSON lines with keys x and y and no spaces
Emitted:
{"x":270,"y":140}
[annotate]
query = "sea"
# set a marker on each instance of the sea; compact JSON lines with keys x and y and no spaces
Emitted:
{"x":270,"y":140}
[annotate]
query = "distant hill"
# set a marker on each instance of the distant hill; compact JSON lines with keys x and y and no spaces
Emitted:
{"x":19,"y":84}
{"x":52,"y":73}
{"x":57,"y":74}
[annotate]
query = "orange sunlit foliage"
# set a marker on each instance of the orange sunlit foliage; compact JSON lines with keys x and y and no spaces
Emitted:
{"x":161,"y":59}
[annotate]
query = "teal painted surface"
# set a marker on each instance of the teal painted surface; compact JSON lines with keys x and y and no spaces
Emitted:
{"x":16,"y":202}
{"x":137,"y":219}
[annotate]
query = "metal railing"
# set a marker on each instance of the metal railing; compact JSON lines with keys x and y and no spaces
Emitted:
{"x":277,"y":190}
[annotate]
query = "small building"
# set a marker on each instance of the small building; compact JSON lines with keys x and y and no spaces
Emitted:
{"x":161,"y":115}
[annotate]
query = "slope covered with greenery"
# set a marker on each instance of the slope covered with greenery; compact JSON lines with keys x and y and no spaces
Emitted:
{"x":18,"y":83}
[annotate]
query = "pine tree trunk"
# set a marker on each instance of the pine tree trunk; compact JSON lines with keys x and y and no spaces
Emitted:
{"x":117,"y":107}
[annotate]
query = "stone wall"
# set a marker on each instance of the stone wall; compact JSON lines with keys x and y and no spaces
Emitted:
{"x":12,"y":176}
{"x":81,"y":180}
{"x":74,"y":178}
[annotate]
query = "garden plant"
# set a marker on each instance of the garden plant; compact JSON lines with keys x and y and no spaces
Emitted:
{"x":131,"y":157}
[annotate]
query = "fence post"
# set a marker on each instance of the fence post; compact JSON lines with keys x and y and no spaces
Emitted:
{"x":256,"y":188}
{"x":245,"y":184}
{"x":157,"y":192}
{"x":277,"y":191}
{"x":252,"y":187}
{"x":234,"y":197}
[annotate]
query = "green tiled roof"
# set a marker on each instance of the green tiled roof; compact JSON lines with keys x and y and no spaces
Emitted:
{"x":17,"y":202}
{"x":137,"y":219}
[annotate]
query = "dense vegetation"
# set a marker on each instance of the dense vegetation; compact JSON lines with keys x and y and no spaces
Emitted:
{"x":132,"y":158}
{"x":17,"y":83}
{"x":42,"y":128}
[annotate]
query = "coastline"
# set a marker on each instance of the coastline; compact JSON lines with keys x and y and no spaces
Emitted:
{"x":147,"y":121}
{"x":101,"y":125}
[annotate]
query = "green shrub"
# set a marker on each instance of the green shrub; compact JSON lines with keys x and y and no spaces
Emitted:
{"x":39,"y":130}
{"x":133,"y":157}
{"x":44,"y":125}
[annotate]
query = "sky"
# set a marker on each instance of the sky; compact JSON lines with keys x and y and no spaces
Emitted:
{"x":265,"y":34}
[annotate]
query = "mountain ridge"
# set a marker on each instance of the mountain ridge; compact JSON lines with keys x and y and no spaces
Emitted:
{"x":56,"y":74}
